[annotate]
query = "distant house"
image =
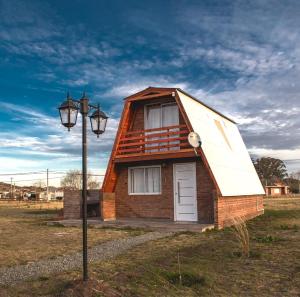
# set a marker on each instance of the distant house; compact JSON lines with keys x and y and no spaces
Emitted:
{"x":154,"y":173}
{"x":4,"y":195}
{"x":53,"y":194}
{"x":278,"y":189}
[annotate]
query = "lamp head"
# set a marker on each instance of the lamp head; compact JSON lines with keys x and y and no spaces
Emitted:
{"x":68,"y":112}
{"x":98,"y":121}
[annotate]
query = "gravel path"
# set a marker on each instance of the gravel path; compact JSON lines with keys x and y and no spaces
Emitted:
{"x":104,"y":251}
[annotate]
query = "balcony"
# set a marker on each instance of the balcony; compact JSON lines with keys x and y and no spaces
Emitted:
{"x":166,"y":142}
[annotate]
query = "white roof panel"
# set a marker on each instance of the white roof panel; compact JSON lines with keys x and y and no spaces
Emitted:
{"x":224,"y":149}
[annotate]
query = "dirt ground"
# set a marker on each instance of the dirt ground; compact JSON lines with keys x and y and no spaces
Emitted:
{"x":25,"y":236}
{"x":210,"y":264}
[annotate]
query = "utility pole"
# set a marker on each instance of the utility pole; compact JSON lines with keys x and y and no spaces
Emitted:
{"x":47,"y":184}
{"x":11,"y":193}
{"x":84,"y":109}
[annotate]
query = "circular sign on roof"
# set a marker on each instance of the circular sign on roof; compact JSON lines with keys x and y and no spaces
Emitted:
{"x":194,"y":139}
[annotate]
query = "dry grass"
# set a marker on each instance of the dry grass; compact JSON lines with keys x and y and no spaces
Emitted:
{"x":32,"y":204}
{"x":282,"y":203}
{"x":241,"y":232}
{"x":25,"y":237}
{"x":210,"y":265}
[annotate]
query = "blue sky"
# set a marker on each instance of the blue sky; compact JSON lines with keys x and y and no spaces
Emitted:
{"x":241,"y":57}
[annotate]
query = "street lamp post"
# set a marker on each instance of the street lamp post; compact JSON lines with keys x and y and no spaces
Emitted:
{"x":68,"y":111}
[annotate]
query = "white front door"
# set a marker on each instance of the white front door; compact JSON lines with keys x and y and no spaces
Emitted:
{"x":185,"y":192}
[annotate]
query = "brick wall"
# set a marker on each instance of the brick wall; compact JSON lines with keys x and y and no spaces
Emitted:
{"x":162,"y":206}
{"x":72,"y":199}
{"x":144,"y":206}
{"x":205,"y":194}
{"x":233,"y":207}
{"x":108,"y":206}
{"x":211,"y":208}
{"x":72,"y":203}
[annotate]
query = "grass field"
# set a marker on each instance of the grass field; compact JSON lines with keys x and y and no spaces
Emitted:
{"x":210,"y":264}
{"x":25,"y":236}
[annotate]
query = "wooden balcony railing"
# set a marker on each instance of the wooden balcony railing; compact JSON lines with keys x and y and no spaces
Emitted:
{"x":153,"y":141}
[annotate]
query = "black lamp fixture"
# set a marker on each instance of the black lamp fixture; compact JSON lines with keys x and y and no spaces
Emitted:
{"x":68,"y":111}
{"x":98,"y":121}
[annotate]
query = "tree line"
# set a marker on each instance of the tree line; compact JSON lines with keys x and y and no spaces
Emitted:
{"x":272,"y":170}
{"x":73,"y":180}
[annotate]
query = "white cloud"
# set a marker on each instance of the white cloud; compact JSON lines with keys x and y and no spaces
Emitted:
{"x":256,"y":49}
{"x":126,"y":89}
{"x":250,"y":59}
{"x":284,"y":154}
{"x":291,"y":157}
{"x":9,"y":163}
{"x":52,"y":146}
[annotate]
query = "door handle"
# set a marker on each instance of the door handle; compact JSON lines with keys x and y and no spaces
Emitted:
{"x":178,"y":192}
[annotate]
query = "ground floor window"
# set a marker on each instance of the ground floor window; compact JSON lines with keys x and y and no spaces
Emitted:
{"x":144,"y":180}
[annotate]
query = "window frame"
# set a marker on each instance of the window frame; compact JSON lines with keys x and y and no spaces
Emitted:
{"x":146,"y":106}
{"x":143,"y":167}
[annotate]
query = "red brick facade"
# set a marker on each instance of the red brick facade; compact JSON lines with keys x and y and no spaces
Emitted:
{"x":211,"y":208}
{"x":162,"y":206}
{"x":72,"y":207}
{"x":108,"y":206}
{"x":233,"y":207}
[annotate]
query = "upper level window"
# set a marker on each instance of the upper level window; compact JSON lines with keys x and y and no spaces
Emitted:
{"x":161,"y":115}
{"x":144,"y":180}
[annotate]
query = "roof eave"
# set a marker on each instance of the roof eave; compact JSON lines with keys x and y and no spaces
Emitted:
{"x":149,"y":89}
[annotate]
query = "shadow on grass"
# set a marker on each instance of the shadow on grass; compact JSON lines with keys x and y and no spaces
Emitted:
{"x":293,"y":227}
{"x":267,"y":239}
{"x":279,"y":214}
{"x":252,"y":255}
{"x":185,"y":279}
{"x":41,"y":212}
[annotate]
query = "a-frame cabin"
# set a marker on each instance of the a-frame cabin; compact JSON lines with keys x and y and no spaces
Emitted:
{"x":154,"y":173}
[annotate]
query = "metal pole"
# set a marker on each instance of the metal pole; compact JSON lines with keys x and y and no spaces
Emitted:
{"x":11,"y":192}
{"x":47,"y":184}
{"x":84,"y":111}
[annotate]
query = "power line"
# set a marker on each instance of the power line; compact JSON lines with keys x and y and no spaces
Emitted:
{"x":23,"y":180}
{"x":61,"y":172}
{"x":22,"y":173}
{"x":44,"y":172}
{"x":43,"y":178}
{"x":90,"y":174}
{"x":35,"y":179}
